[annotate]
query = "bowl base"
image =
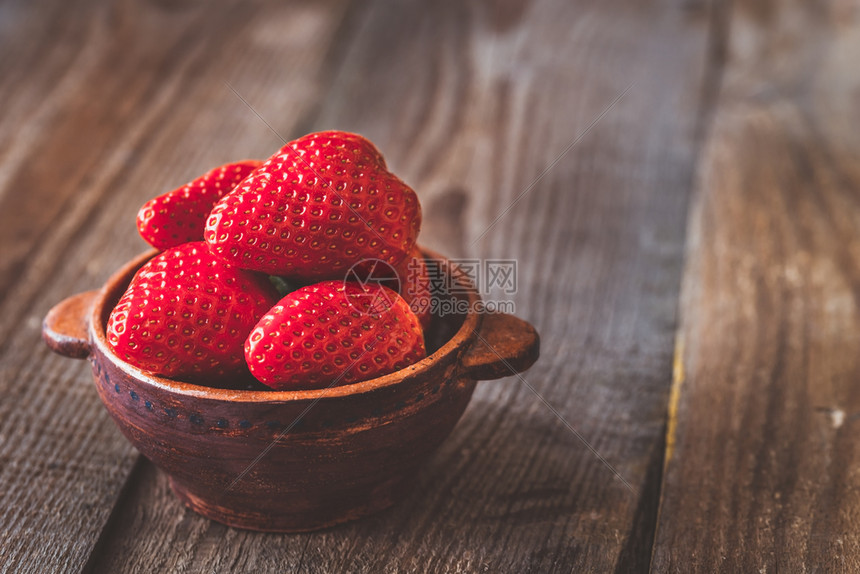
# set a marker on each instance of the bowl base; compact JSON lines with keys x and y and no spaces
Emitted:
{"x":285,"y":521}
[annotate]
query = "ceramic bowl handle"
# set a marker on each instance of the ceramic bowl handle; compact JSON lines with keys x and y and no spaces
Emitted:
{"x":504,"y":346}
{"x":65,"y":326}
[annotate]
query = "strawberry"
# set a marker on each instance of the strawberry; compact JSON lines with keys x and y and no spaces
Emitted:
{"x":186,"y":315}
{"x":321,"y":204}
{"x":333,"y":333}
{"x":179,"y":216}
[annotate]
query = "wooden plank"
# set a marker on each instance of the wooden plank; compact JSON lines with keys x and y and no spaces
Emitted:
{"x":470,"y":104}
{"x":761,"y":473}
{"x":119,"y":126}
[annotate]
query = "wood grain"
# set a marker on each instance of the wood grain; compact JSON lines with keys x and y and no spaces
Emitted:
{"x":477,"y":106}
{"x":470,"y":103}
{"x":763,"y":476}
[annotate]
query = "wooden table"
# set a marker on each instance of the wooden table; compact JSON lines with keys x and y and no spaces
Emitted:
{"x":678,"y":181}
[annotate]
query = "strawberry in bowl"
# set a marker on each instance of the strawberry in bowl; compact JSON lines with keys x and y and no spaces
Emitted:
{"x":323,"y":203}
{"x":348,"y":331}
{"x":179,"y":216}
{"x":186,"y":315}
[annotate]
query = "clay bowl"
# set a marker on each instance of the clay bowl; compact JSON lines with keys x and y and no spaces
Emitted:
{"x":292,"y":461}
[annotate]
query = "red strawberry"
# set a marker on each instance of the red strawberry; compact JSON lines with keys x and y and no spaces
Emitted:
{"x":415,"y":285}
{"x":179,"y":216}
{"x":333,"y":333}
{"x":321,"y":204}
{"x":186,"y":315}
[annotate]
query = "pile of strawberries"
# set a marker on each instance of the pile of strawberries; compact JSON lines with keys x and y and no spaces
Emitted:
{"x":221,"y":298}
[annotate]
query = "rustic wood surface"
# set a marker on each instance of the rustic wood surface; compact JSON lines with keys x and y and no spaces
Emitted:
{"x":762,"y":469}
{"x":573,"y":137}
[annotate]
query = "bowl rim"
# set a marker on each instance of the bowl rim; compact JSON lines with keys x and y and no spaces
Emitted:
{"x":459,"y":341}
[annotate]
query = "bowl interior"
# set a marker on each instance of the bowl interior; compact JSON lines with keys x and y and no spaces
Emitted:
{"x":449,"y":332}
